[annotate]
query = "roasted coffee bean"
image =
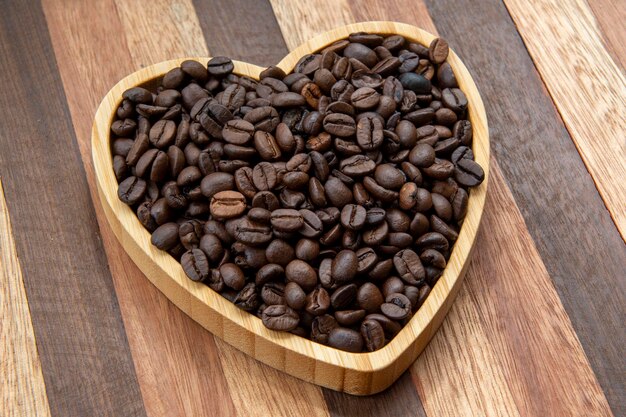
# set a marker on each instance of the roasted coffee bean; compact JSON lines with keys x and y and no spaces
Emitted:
{"x":216,"y":182}
{"x":280,"y":317}
{"x":345,"y":338}
{"x":353,"y":216}
{"x":373,"y":335}
{"x":266,"y":145}
{"x":344,"y":266}
{"x":317,"y":302}
{"x":438,"y":51}
{"x":227,"y":204}
{"x":195,"y":265}
{"x":302,"y":274}
{"x":468,"y":173}
{"x":321,"y":326}
{"x":323,"y":184}
{"x":131,"y":190}
{"x":397,"y":306}
{"x":165,"y":237}
{"x":409,"y":267}
{"x":369,"y":297}
{"x":295,"y":297}
{"x":339,"y":124}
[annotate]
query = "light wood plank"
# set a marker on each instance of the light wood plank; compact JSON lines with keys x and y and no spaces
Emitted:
{"x":586,"y":85}
{"x":611,"y":16}
{"x":22,"y":388}
{"x":484,"y":361}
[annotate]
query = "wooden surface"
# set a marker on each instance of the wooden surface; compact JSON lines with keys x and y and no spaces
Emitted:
{"x":22,"y":388}
{"x":590,"y":95}
{"x":360,"y":374}
{"x":182,"y":370}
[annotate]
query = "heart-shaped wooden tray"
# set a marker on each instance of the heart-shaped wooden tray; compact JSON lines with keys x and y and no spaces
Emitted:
{"x":354,"y":373}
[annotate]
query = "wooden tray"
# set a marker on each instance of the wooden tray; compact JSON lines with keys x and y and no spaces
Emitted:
{"x":354,"y":373}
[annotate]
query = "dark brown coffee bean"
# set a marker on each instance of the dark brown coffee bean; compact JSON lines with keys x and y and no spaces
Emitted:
{"x":468,"y":173}
{"x":369,"y":133}
{"x":459,"y":204}
{"x":266,"y":200}
{"x":397,"y":306}
{"x":344,"y":338}
{"x":378,"y":191}
{"x":433,"y":240}
{"x":353,"y":216}
{"x":131,"y":190}
{"x":195,"y":265}
{"x":138,"y":95}
{"x":307,"y":249}
{"x":232,"y":275}
{"x":442,"y":207}
{"x":220,"y":66}
{"x":376,"y":235}
{"x":216,"y":182}
{"x":339,"y":124}
{"x":337,"y":192}
{"x":165,"y":237}
{"x":369,"y":297}
{"x":375,"y":216}
{"x":321,"y":327}
{"x":264,"y":176}
{"x":441,"y":169}
{"x":316,"y":193}
{"x":349,"y":317}
{"x":392,"y":285}
{"x":409,"y":267}
{"x":264,"y":118}
{"x":295,"y":297}
{"x":286,"y":220}
{"x":280,"y":317}
{"x":266,"y":145}
{"x":344,"y":266}
{"x":317,"y":302}
{"x":387,"y":176}
{"x":259,"y":215}
{"x":438,"y":51}
{"x":373,"y":335}
{"x":312,"y":226}
{"x":302,"y":274}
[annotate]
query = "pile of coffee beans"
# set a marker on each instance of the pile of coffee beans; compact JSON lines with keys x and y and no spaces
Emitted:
{"x":325,"y":201}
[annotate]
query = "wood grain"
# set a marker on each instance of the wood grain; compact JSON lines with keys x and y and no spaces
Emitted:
{"x":589,"y":94}
{"x":176,"y":361}
{"x":553,"y":189}
{"x":22,"y":388}
{"x":245,"y":30}
{"x":611,"y":16}
{"x":81,"y":342}
{"x":464,"y":343}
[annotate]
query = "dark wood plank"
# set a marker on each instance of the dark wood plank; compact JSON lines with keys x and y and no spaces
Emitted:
{"x":241,"y":29}
{"x":84,"y":352}
{"x":578,"y":242}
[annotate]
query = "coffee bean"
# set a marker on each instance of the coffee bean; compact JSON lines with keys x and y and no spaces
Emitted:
{"x":344,"y":266}
{"x":216,"y":182}
{"x":369,"y":297}
{"x":295,"y":297}
{"x":438,"y":51}
{"x":220,"y":66}
{"x":165,"y":237}
{"x":264,"y":176}
{"x":322,"y":184}
{"x":195,"y":265}
{"x":397,"y":306}
{"x":302,"y":274}
{"x":339,"y":124}
{"x":345,"y":339}
{"x":131,"y":190}
{"x":373,"y":335}
{"x":468,"y":173}
{"x":227,"y":204}
{"x":353,"y":216}
{"x":409,"y":267}
{"x":280,"y":317}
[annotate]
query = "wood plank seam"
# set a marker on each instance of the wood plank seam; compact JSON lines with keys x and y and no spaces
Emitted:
{"x":22,"y":386}
{"x":599,"y":132}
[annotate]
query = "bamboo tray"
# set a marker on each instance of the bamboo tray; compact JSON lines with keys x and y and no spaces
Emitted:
{"x":354,"y":373}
